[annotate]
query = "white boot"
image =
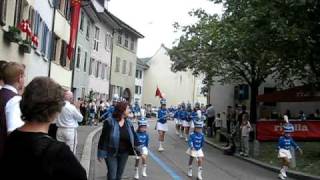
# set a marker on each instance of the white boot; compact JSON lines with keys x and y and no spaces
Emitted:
{"x":283,"y":172}
{"x":281,"y":176}
{"x":177,"y":132}
{"x":136,"y":176}
{"x":160,"y":147}
{"x":181,"y":135}
{"x":190,"y":171}
{"x":200,"y":173}
{"x":144,"y":171}
{"x":186,"y":139}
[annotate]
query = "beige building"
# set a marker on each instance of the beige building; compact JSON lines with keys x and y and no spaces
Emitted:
{"x":124,"y":59}
{"x":176,"y":87}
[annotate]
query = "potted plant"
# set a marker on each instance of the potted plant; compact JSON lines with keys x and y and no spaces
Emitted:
{"x":13,"y":34}
{"x":25,"y":46}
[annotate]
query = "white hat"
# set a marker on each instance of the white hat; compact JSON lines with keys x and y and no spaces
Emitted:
{"x":286,"y":118}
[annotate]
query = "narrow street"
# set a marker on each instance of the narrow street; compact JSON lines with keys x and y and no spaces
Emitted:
{"x":172,"y":163}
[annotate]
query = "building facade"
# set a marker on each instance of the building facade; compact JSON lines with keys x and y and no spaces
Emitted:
{"x":141,"y":67}
{"x":177,"y":87}
{"x":83,"y":53}
{"x":40,"y":15}
{"x":93,"y":56}
{"x":124,"y":59}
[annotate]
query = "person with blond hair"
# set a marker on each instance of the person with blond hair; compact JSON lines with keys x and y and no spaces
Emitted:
{"x":12,"y":74}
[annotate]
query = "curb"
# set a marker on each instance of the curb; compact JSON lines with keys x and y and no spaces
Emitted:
{"x":86,"y":153}
{"x":294,"y":174}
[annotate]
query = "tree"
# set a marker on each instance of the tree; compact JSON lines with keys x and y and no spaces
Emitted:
{"x":235,"y":48}
{"x":298,"y":40}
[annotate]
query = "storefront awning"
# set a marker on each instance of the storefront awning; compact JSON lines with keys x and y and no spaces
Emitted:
{"x":296,"y":94}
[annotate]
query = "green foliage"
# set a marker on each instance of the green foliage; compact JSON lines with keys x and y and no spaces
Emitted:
{"x":251,"y":41}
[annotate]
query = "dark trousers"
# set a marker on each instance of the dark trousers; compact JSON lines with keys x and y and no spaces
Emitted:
{"x":116,"y":165}
{"x":210,"y":126}
{"x":228,"y":126}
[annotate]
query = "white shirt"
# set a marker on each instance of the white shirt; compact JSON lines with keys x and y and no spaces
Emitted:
{"x":218,"y":122}
{"x":13,"y":113}
{"x":143,"y":112}
{"x":245,"y":129}
{"x":69,"y":116}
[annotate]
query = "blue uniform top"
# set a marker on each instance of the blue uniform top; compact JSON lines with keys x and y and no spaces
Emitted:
{"x":177,"y":114}
{"x":194,"y":116}
{"x":162,"y":116}
{"x":189,"y":116}
{"x":286,"y":143}
{"x":143,"y":138}
{"x":196,"y":140}
{"x":136,"y":108}
{"x":183,"y":115}
{"x":108,"y":113}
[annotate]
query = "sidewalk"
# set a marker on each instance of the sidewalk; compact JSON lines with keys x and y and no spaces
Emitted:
{"x":294,"y":174}
{"x":83,"y":132}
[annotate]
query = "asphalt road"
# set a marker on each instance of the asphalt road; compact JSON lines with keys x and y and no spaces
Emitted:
{"x":172,"y":163}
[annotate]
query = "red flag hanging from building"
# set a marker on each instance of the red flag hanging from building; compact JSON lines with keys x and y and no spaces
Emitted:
{"x":75,"y":14}
{"x":158,"y":93}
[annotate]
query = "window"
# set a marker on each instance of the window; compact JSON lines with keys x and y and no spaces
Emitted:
{"x":117,"y":64}
{"x":37,"y":23}
{"x":126,"y":41}
{"x":91,"y":66}
{"x":81,"y":21}
{"x":44,"y":38}
{"x":120,"y":38}
{"x":107,"y":72}
{"x":98,"y":69}
{"x":18,"y":12}
{"x":3,"y":12}
{"x":130,"y":69}
{"x":64,"y":6}
{"x":63,"y":54}
{"x":85,"y":62}
{"x":88,"y":30}
{"x":96,"y":39}
{"x":138,"y":74}
{"x":103,"y":71}
{"x":107,"y":45}
{"x":124,"y":67}
{"x":138,"y":90}
{"x":55,"y":47}
{"x":78,"y":58}
{"x":132,"y":44}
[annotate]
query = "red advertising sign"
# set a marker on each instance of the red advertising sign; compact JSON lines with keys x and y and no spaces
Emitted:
{"x":271,"y":130}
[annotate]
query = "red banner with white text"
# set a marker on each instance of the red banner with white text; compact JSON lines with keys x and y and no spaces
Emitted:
{"x":271,"y":130}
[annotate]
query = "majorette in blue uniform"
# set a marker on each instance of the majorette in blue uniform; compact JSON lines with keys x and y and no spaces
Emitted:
{"x":187,"y":122}
{"x":195,"y":144}
{"x":285,"y":144}
{"x":109,"y":111}
{"x":162,"y":125}
{"x":143,"y":138}
{"x":177,"y":120}
{"x":136,"y":110}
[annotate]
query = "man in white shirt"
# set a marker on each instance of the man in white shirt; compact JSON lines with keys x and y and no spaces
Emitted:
{"x":67,"y":122}
{"x":10,"y":114}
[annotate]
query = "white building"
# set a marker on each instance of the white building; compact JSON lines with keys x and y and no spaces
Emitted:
{"x":176,"y":87}
{"x":140,"y":68}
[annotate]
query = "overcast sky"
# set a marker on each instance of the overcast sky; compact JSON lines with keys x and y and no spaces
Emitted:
{"x":154,"y":19}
